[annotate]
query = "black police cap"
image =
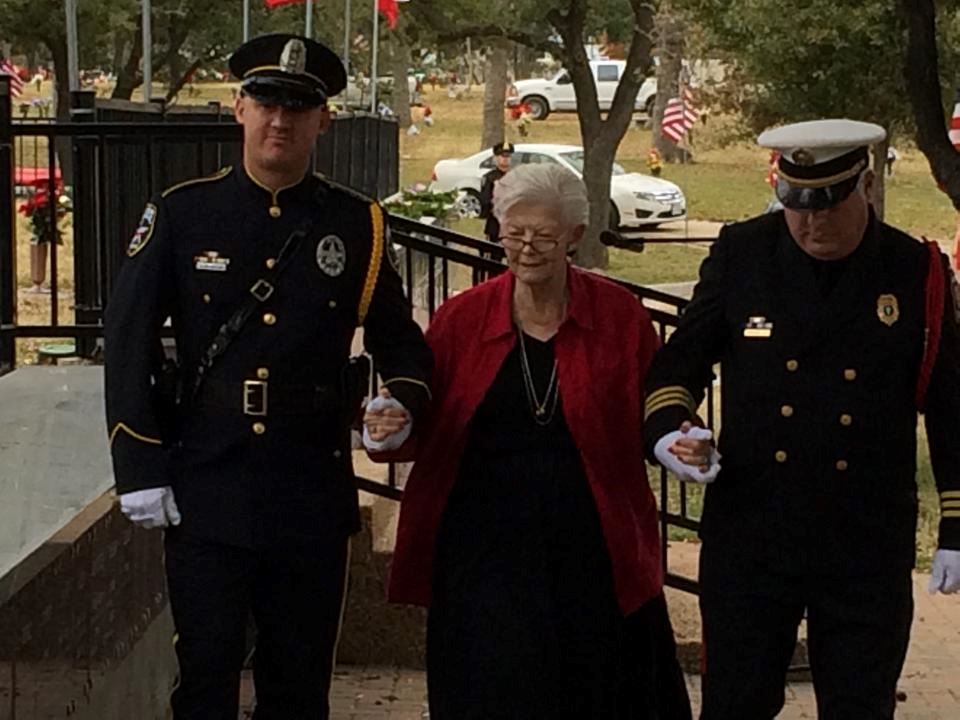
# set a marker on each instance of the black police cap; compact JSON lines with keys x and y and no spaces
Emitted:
{"x":503,"y":148}
{"x":288,"y":70}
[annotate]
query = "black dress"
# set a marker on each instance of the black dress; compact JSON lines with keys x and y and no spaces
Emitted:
{"x":524,"y":622}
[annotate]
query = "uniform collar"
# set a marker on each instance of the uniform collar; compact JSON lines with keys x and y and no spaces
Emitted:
{"x":499,"y":320}
{"x":274,"y":198}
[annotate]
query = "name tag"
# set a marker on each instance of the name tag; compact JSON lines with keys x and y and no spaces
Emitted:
{"x":211,"y":262}
{"x":758,"y":327}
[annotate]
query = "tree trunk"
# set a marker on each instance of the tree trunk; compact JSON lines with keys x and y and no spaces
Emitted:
{"x":921,"y":69}
{"x":400,"y":67}
{"x":670,"y":42}
{"x":129,"y":77}
{"x":493,"y":96}
{"x":119,"y":50}
{"x":178,"y":81}
{"x":601,"y":138}
{"x":879,"y":194}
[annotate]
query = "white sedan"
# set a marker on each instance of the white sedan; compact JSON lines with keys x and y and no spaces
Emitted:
{"x":636,"y":200}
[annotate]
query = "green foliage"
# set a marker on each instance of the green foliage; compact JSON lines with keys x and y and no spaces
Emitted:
{"x":820,"y":58}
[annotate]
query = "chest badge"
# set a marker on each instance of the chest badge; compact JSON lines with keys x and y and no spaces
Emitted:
{"x":331,"y":255}
{"x":211,"y":261}
{"x":758,"y":327}
{"x":888,"y":310}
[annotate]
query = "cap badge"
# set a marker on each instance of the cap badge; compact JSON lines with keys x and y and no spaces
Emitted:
{"x":888,"y":310}
{"x":293,"y":59}
{"x":803,"y":158}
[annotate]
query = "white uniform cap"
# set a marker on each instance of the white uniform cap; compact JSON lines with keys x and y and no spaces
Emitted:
{"x":819,"y":141}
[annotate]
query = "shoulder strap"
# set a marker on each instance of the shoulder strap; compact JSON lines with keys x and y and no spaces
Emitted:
{"x":260,"y":292}
{"x":379,"y":241}
{"x":934,"y":298}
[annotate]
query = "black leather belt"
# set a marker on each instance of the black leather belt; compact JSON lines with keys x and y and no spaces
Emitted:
{"x":259,"y":398}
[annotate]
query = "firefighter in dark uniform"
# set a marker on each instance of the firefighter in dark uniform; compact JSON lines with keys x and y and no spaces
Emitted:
{"x":831,"y":329}
{"x":265,"y":271}
{"x":502,"y":154}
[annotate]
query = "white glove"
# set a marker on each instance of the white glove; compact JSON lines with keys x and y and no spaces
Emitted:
{"x":687,"y":473}
{"x":945,"y":576}
{"x":151,"y":508}
{"x":391,"y":442}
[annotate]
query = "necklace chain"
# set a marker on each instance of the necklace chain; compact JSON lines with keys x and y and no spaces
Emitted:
{"x":543,"y":411}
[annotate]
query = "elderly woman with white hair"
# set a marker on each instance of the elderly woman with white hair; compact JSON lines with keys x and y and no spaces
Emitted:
{"x":528,"y":526}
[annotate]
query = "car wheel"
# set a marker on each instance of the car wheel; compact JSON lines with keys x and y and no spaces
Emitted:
{"x":614,"y":219}
{"x":648,"y":108}
{"x":468,"y":205}
{"x":538,"y":107}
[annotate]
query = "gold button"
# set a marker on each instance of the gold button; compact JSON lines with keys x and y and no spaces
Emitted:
{"x":846,"y":420}
{"x":842,"y":465}
{"x":269,"y":319}
{"x":332,"y":304}
{"x":263,"y":373}
{"x":787,"y":411}
{"x":850,"y":374}
{"x":792,"y":365}
{"x":259,"y":428}
{"x":781,"y":456}
{"x":270,"y":263}
{"x":275,"y":211}
{"x":206,"y":298}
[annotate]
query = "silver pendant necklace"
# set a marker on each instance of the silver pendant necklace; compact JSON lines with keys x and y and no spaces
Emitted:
{"x":543,"y":410}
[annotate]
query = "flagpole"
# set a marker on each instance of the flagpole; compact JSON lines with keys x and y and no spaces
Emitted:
{"x":309,"y":29}
{"x":373,"y":63}
{"x":73,"y":54}
{"x":147,"y":52}
{"x":246,"y":20}
{"x":346,"y":36}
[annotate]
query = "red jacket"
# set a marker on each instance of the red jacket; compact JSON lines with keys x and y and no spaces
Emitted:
{"x":603,"y":351}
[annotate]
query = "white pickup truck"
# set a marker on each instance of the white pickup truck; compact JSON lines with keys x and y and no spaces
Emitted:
{"x":556,"y":94}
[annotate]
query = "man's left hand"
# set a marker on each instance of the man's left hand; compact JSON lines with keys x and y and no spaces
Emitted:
{"x":386,"y":423}
{"x":945,"y":576}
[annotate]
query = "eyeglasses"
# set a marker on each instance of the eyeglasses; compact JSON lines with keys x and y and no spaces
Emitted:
{"x":540,"y":244}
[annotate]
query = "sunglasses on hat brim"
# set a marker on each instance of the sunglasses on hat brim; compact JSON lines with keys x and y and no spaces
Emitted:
{"x":814,"y":198}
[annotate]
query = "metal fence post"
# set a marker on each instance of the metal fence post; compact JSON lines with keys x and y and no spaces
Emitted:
{"x":8,"y":234}
{"x":87,"y":251}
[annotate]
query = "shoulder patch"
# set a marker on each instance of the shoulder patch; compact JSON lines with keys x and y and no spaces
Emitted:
{"x":144,"y":231}
{"x":355,"y":194}
{"x":219,"y":175}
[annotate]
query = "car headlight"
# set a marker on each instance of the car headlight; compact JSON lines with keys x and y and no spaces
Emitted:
{"x":645,"y":196}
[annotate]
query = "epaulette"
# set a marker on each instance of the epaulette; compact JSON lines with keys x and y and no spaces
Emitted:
{"x":343,"y":188}
{"x":219,"y":175}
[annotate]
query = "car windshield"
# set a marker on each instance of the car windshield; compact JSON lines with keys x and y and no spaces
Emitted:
{"x":575,"y":159}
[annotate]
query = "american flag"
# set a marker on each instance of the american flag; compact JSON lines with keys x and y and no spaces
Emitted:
{"x":955,"y":123}
{"x":16,"y":84}
{"x":679,"y":116}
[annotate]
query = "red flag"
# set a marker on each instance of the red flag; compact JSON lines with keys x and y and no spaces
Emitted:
{"x":16,"y":84}
{"x":277,"y":3}
{"x":679,"y":116}
{"x":389,"y":10}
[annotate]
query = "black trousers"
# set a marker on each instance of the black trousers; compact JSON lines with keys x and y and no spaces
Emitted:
{"x":858,"y":630}
{"x":295,"y":594}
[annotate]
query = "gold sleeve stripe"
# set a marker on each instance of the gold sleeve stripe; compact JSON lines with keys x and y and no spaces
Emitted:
{"x":670,"y":390}
{"x":412,"y":381}
{"x":951,"y":514}
{"x":652,"y":410}
{"x":673,"y":399}
{"x":376,"y":257}
{"x":951,"y":504}
{"x":133,"y":434}
{"x":950,"y":495}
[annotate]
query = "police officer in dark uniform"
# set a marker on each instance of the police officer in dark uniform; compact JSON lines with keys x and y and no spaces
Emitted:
{"x":831,"y":329}
{"x":266,"y":271}
{"x":502,"y":154}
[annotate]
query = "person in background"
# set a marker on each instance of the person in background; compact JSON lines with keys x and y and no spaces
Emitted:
{"x":502,"y":153}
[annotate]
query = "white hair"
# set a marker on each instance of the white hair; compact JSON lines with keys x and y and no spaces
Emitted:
{"x":543,"y":184}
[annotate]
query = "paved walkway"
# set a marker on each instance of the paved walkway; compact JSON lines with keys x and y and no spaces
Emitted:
{"x":930,"y":685}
